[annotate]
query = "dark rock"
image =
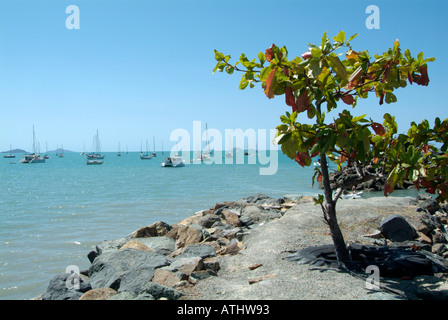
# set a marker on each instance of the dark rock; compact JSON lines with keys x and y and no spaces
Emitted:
{"x":257,"y":197}
{"x":107,"y":246}
{"x":430,"y":205}
{"x":397,"y":229}
{"x":198,"y":250}
{"x":208,"y":220}
{"x":159,"y":291}
{"x":431,"y":222}
{"x":125,"y":270}
{"x":58,"y":288}
{"x":203,"y":274}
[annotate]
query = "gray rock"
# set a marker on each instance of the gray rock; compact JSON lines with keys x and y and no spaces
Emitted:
{"x":107,"y":246}
{"x":430,"y":205}
{"x":431,"y":222}
{"x":198,"y":250}
{"x":257,"y":197}
{"x":397,"y":229}
{"x":208,"y":220}
{"x":123,"y":296}
{"x":162,"y":244}
{"x":125,"y":270}
{"x":159,"y":291}
{"x":58,"y":289}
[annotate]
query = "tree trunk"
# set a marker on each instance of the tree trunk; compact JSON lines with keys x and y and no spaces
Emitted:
{"x":329,"y":208}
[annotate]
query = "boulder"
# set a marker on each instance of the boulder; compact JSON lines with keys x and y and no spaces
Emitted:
{"x":430,"y":205}
{"x":157,"y":229}
{"x":59,"y":289}
{"x":107,"y":246}
{"x":98,"y":294}
{"x":186,"y":265}
{"x":208,"y":220}
{"x":125,"y":270}
{"x":397,"y":229}
{"x":136,"y":245}
{"x":198,"y":250}
{"x":188,"y":235}
{"x":231,"y":218}
{"x":163,"y":245}
{"x":159,"y":291}
{"x":167,"y":277}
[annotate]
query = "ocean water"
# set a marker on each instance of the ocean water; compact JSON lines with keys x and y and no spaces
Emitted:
{"x":52,"y":213}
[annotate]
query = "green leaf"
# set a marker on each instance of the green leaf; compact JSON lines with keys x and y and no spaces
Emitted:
{"x":413,"y":176}
{"x":261,"y":57}
{"x":219,"y":56}
{"x":316,"y":53}
{"x":353,"y":37}
{"x":340,"y":37}
{"x":390,"y":97}
{"x":338,"y":68}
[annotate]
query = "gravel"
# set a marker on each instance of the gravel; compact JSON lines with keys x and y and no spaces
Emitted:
{"x":302,"y":226}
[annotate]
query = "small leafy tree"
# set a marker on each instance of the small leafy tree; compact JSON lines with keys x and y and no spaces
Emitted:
{"x":313,"y":85}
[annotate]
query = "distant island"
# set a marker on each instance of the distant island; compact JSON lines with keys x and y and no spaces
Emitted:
{"x":15,"y":151}
{"x":23,"y":151}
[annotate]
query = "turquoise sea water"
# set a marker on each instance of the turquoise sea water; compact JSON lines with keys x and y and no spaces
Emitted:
{"x":52,"y":213}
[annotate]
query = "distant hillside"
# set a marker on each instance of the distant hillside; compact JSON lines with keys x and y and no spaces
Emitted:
{"x":15,"y":151}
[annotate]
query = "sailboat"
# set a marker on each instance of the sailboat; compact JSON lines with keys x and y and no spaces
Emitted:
{"x":119,"y":150}
{"x":46,"y":156}
{"x":60,"y":152}
{"x":206,"y":155}
{"x":154,"y":154}
{"x":33,"y":157}
{"x":95,"y":157}
{"x":10,"y":155}
{"x":145,"y":156}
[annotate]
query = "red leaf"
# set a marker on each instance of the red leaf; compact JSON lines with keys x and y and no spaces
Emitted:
{"x":319,"y":177}
{"x":410,"y":78}
{"x":388,"y":189}
{"x":306,"y":55}
{"x":382,"y":98}
{"x":303,"y":102}
{"x":269,"y":54}
{"x":378,"y":128}
{"x":348,"y":99}
{"x":290,"y":99}
{"x":269,"y":90}
{"x":301,"y":158}
{"x":423,"y":80}
{"x":425,"y":148}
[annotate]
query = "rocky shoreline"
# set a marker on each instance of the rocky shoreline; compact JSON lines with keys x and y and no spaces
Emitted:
{"x":220,"y":246}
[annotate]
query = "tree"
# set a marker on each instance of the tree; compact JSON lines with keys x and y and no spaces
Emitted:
{"x":314,"y":84}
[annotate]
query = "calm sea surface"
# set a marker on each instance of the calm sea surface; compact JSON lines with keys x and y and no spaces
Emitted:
{"x":51,"y":214}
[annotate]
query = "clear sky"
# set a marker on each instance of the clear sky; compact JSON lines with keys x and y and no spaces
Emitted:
{"x":139,"y":69}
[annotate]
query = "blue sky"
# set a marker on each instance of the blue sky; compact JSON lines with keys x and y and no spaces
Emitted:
{"x":141,"y":69}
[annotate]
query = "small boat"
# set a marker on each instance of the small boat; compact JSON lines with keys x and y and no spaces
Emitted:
{"x":96,"y":156}
{"x":352,"y":195}
{"x":10,"y":155}
{"x":145,"y":156}
{"x":90,"y":162}
{"x":154,"y":154}
{"x":175,"y":161}
{"x":33,"y":157}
